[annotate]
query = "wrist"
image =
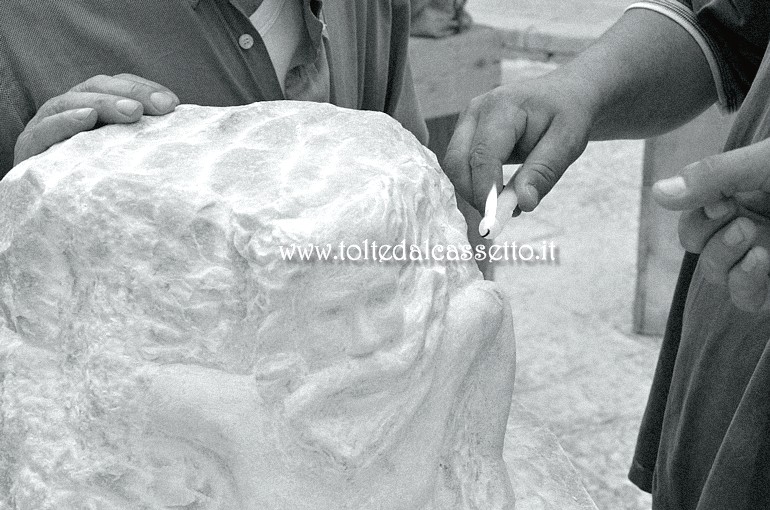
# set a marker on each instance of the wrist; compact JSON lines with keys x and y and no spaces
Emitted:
{"x":579,"y":94}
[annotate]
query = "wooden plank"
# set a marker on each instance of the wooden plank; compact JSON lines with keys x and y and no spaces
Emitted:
{"x":659,"y":252}
{"x":449,"y":72}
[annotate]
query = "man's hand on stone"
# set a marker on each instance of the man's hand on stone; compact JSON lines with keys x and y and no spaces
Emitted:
{"x":726,"y":199}
{"x":120,"y":99}
{"x":543,"y":124}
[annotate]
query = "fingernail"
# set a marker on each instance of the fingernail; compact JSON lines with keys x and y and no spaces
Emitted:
{"x":162,"y":101}
{"x":673,"y":186}
{"x":718,"y":210}
{"x":735,"y":235}
{"x":128,"y":107}
{"x":82,"y":113}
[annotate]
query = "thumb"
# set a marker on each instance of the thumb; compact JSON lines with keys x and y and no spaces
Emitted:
{"x":717,"y":177}
{"x":557,"y":150}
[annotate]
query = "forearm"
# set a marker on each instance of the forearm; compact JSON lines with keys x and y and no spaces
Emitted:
{"x":645,"y":76}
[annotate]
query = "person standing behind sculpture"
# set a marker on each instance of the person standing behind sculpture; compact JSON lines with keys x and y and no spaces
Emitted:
{"x":704,"y":441}
{"x":439,"y":18}
{"x":67,"y":67}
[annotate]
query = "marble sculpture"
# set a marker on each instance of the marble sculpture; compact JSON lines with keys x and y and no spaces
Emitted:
{"x":158,"y":352}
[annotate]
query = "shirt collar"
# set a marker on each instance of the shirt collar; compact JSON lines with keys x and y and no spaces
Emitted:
{"x":312,"y":10}
{"x":246,"y":7}
{"x":315,"y":5}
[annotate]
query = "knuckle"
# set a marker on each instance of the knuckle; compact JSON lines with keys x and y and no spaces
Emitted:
{"x":486,"y":103}
{"x":476,"y":103}
{"x":744,"y":293}
{"x":545,"y":171}
{"x":575,"y":141}
{"x":25,"y":144}
{"x":707,"y":165}
{"x":33,"y":138}
{"x":135,"y":89}
{"x":708,"y":170}
{"x":50,"y":107}
{"x":710,"y":269}
{"x":103,"y":103}
{"x":92,"y":83}
{"x":479,"y":155}
{"x":126,"y":77}
{"x":503,"y":95}
{"x":500,"y":106}
{"x":20,"y":149}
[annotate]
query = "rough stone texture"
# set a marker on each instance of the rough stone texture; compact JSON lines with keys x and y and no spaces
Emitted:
{"x":157,"y":352}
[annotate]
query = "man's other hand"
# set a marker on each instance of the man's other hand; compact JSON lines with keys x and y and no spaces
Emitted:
{"x":120,"y":99}
{"x":726,"y":199}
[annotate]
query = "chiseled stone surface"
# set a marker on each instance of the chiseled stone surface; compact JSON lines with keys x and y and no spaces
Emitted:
{"x":541,"y":471}
{"x":157,"y":351}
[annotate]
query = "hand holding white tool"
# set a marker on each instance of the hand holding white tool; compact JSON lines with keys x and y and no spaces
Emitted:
{"x":497,"y":211}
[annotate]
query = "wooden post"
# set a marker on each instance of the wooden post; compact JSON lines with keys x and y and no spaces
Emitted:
{"x":659,"y":253}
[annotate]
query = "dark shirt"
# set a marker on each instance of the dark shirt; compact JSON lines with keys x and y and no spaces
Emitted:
{"x":739,"y":30}
{"x":704,"y":442}
{"x":192,"y":47}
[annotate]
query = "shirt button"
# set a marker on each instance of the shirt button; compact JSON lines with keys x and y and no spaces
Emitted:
{"x":246,"y":41}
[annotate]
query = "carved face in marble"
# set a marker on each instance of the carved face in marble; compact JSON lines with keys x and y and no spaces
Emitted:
{"x":339,"y":376}
{"x":177,"y":361}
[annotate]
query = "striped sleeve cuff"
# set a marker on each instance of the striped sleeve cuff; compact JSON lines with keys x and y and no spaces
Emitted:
{"x":727,"y":96}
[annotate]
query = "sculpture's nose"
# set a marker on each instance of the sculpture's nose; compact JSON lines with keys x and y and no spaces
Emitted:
{"x":367,"y":334}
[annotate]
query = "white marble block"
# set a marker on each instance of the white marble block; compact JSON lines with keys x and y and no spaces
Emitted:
{"x":158,"y":351}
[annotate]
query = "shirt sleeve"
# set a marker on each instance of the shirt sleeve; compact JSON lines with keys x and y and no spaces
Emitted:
{"x":733,"y":35}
